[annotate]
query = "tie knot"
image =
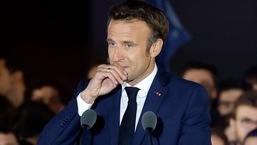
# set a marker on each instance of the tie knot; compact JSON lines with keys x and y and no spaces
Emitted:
{"x":132,"y":93}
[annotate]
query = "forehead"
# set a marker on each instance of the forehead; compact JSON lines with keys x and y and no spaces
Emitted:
{"x":231,"y":94}
{"x":199,"y":76}
{"x":251,"y":112}
{"x":127,"y":29}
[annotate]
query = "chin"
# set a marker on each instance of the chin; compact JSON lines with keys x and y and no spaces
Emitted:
{"x":129,"y":80}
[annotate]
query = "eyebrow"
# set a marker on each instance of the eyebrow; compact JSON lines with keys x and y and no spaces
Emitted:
{"x":124,"y":42}
{"x":108,"y":39}
{"x":248,"y":119}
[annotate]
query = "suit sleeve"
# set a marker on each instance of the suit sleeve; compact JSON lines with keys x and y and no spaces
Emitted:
{"x":196,"y":122}
{"x":64,"y":128}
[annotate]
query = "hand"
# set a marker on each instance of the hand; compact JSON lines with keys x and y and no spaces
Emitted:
{"x":106,"y":79}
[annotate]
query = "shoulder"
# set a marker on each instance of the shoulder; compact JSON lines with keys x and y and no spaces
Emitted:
{"x":81,"y":86}
{"x":168,"y":79}
{"x":180,"y":88}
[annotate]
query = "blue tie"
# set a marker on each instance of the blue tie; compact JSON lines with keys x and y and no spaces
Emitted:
{"x":127,"y":126}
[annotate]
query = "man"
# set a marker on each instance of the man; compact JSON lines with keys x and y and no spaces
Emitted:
{"x":12,"y":83}
{"x":250,"y":76}
{"x":245,"y":116}
{"x":204,"y":74}
{"x":230,"y":89}
{"x":50,"y":92}
{"x":7,"y":113}
{"x":30,"y":120}
{"x":135,"y":35}
{"x":8,"y":138}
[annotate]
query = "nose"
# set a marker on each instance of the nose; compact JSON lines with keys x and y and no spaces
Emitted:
{"x":115,"y":54}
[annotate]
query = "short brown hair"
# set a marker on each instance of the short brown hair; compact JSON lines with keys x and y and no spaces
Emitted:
{"x":248,"y":98}
{"x":139,"y":10}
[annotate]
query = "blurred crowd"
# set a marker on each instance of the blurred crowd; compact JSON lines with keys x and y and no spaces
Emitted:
{"x":233,"y":102}
{"x":25,"y":107}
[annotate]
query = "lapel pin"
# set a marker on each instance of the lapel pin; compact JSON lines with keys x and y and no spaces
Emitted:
{"x":158,"y":94}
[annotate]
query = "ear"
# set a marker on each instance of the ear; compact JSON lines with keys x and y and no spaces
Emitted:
{"x":156,"y":48}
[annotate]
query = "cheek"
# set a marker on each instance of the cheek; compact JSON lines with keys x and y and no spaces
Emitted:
{"x":139,"y":61}
{"x":134,"y":59}
{"x":110,"y":54}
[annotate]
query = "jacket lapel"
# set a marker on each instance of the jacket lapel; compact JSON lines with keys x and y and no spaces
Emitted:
{"x":153,"y":101}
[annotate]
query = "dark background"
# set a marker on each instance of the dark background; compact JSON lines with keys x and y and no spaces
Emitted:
{"x":62,"y":39}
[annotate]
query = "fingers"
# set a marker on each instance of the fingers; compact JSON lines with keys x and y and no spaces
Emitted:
{"x":114,"y":72}
{"x":106,"y":78}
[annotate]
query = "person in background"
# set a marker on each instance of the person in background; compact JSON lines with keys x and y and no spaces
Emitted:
{"x":207,"y":75}
{"x":251,"y":138}
{"x":218,"y":137}
{"x":8,"y":138}
{"x":93,"y":67}
{"x":229,"y":90}
{"x":250,"y":76}
{"x":202,"y":73}
{"x":92,"y":71}
{"x":244,"y":116}
{"x":30,"y":120}
{"x":136,"y":32}
{"x":12,"y":78}
{"x":7,"y":113}
{"x":49,"y":91}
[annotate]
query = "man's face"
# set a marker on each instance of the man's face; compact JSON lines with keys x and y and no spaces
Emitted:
{"x":227,"y":99}
{"x":127,"y":47}
{"x":5,"y":78}
{"x":246,"y":120}
{"x":8,"y":139}
{"x":202,"y":77}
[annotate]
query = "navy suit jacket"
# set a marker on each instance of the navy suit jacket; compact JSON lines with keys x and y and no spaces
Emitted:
{"x":181,"y":107}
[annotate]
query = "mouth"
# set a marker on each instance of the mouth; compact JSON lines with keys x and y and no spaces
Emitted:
{"x":125,"y":67}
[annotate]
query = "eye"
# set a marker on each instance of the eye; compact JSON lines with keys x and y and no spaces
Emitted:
{"x":129,"y":45}
{"x":111,"y":44}
{"x":246,"y":121}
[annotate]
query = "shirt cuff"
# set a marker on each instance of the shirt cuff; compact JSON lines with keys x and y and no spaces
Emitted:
{"x":82,"y":105}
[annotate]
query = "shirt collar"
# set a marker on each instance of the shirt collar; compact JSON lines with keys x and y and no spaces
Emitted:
{"x":145,"y":84}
